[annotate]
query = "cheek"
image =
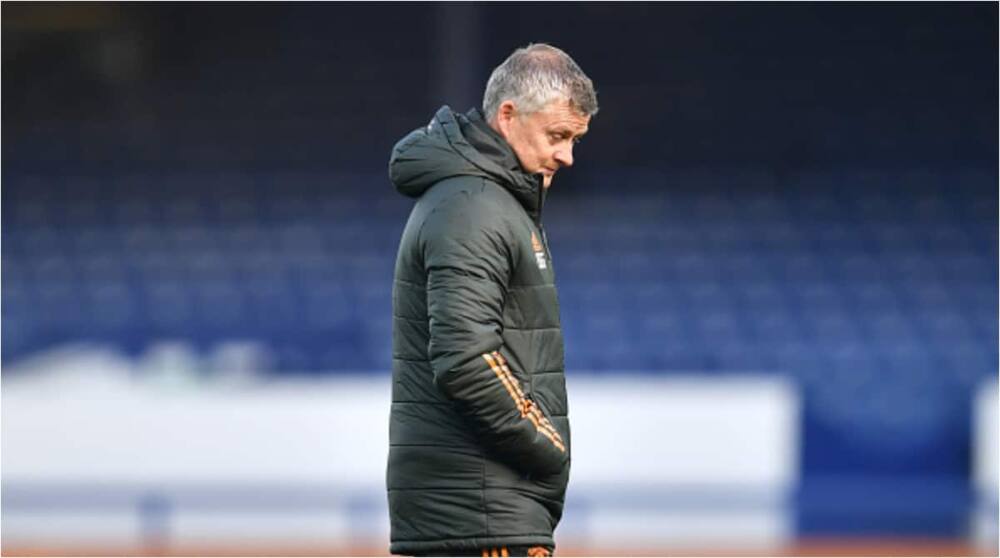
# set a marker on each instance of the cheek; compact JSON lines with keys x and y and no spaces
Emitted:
{"x":533,"y":149}
{"x":532,"y":154}
{"x":543,"y":151}
{"x":526,"y":153}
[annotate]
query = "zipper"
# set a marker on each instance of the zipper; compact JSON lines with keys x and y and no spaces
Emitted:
{"x":541,"y":200}
{"x":545,"y":241}
{"x":538,"y":216}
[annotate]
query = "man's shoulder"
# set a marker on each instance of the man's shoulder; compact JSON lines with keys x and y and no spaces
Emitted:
{"x":466,"y":206}
{"x":475,"y":194}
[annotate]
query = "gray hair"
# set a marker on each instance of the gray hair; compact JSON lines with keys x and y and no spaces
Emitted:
{"x":536,"y":75}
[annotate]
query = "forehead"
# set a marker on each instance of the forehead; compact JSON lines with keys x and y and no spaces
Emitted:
{"x":560,"y":114}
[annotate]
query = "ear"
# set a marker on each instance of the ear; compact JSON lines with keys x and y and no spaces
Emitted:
{"x":505,"y":116}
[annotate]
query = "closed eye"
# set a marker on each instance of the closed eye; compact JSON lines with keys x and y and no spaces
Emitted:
{"x":564,"y":136}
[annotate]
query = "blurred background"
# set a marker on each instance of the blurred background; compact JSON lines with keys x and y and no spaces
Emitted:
{"x":776,"y":257}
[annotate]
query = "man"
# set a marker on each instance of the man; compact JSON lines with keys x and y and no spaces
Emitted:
{"x":479,"y":438}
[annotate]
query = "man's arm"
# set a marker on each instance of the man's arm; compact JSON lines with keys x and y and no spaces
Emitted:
{"x":468,"y":257}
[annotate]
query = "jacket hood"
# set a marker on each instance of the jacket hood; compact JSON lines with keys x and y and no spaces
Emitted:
{"x":461,"y":145}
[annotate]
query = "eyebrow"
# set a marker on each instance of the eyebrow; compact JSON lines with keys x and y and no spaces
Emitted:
{"x":567,"y":130}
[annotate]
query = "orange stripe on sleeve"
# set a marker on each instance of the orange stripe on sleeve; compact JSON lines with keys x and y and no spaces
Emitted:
{"x":545,"y":422}
{"x":527,"y":403}
{"x":524,"y":406}
{"x":506,"y":383}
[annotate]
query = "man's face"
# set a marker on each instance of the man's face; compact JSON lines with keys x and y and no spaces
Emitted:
{"x":543,"y":140}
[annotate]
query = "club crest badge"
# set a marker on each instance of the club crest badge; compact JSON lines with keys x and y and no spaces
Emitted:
{"x":536,"y":245}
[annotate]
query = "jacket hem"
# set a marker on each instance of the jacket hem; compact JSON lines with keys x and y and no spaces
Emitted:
{"x":472,"y":544}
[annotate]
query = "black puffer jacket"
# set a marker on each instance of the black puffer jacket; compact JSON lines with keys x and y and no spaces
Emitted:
{"x":479,"y":437}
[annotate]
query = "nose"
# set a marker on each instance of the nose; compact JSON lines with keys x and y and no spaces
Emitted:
{"x":564,"y":156}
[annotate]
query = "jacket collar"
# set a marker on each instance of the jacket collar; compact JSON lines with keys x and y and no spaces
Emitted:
{"x":472,"y":137}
